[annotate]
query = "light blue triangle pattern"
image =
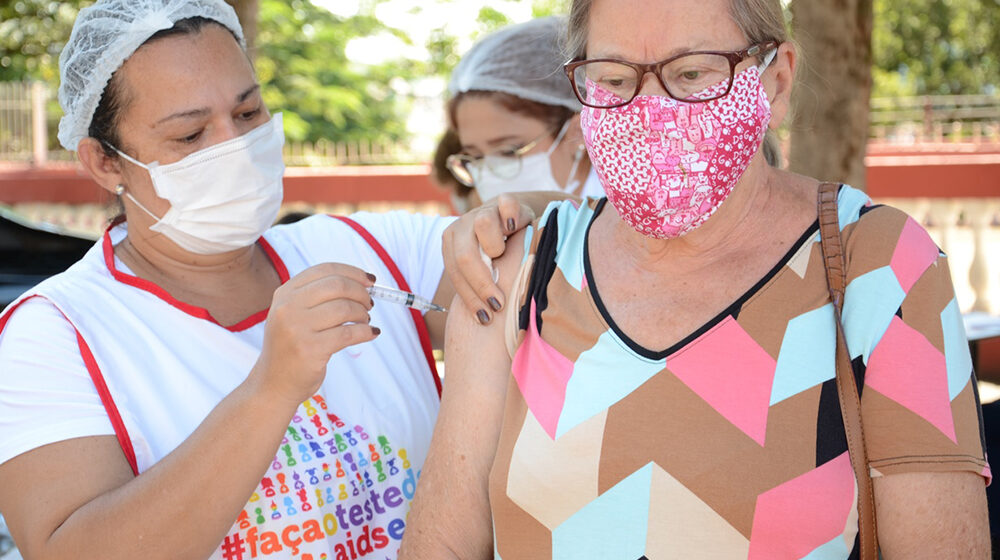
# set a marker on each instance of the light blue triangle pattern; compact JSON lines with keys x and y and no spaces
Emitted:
{"x":807,"y":354}
{"x":614,"y":525}
{"x":870,"y":302}
{"x":956,"y":349}
{"x":600,"y":379}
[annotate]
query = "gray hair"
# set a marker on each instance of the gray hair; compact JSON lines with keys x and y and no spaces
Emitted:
{"x":759,"y":20}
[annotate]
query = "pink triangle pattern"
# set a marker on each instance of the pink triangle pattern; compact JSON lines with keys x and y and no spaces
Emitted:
{"x":795,"y":518}
{"x":906,"y":368}
{"x":731,"y":372}
{"x":915,"y":252}
{"x":542,"y":374}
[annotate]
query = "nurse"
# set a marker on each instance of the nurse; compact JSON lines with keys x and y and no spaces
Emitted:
{"x":201,"y":385}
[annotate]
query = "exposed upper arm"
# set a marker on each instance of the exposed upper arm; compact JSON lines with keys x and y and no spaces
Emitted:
{"x":450,"y":513}
{"x":42,"y":488}
{"x":932,"y":515}
{"x":57,"y":450}
{"x":436,"y":322}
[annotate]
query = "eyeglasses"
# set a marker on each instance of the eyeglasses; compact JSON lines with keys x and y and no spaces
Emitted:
{"x":505,"y":164}
{"x":694,"y":77}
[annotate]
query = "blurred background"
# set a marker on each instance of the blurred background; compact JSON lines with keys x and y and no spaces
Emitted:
{"x":899,"y":97}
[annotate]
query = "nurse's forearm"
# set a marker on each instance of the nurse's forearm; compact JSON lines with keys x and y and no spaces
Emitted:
{"x":184,"y":506}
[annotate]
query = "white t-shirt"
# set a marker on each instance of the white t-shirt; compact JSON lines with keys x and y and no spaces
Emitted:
{"x":341,"y":481}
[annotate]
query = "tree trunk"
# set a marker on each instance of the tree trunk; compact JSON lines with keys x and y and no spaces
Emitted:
{"x":247,"y":11}
{"x":829,"y":132}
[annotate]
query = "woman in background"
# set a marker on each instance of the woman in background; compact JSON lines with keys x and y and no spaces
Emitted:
{"x":516,"y":118}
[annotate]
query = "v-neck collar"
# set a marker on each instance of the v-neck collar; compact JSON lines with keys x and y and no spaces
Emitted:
{"x":194,"y":311}
{"x":730,"y":310}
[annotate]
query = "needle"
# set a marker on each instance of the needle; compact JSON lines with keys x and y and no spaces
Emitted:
{"x":409,"y":299}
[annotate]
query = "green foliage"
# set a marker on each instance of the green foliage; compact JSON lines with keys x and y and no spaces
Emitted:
{"x":936,"y":47}
{"x":302,"y":66}
{"x":444,"y":55}
{"x":444,"y":48}
{"x":490,"y":19}
{"x":32,"y":34}
{"x":542,"y":8}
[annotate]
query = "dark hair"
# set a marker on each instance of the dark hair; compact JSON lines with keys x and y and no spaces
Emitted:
{"x":553,"y":116}
{"x":114,"y":99}
{"x":447,"y":145}
{"x":292,"y":217}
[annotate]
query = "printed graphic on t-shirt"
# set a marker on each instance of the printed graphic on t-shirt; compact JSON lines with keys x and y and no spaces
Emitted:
{"x":334,"y":491}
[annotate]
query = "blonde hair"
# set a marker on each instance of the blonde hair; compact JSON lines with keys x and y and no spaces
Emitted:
{"x":759,"y":20}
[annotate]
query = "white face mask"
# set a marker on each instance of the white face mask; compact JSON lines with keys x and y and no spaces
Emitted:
{"x":535,"y":174}
{"x":224,"y":197}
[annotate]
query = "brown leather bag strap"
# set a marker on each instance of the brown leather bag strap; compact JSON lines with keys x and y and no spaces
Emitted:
{"x":847,"y":387}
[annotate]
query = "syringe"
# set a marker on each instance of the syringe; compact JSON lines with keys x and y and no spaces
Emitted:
{"x":408,"y":299}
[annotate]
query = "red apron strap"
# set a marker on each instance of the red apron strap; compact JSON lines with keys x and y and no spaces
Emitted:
{"x":102,"y":388}
{"x":418,"y":319}
{"x":109,"y":404}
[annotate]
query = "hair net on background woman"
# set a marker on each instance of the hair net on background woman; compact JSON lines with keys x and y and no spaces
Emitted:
{"x":516,"y":118}
{"x":523,"y":60}
{"x":201,"y":382}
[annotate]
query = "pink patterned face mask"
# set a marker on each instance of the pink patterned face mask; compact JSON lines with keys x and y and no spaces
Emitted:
{"x":668,"y":165}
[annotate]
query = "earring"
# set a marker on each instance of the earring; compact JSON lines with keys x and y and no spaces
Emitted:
{"x":119,"y":190}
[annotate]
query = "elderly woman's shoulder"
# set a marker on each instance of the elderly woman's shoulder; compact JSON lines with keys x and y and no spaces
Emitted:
{"x":858,"y":213}
{"x":571,"y":208}
{"x":882,"y":235}
{"x":882,"y":220}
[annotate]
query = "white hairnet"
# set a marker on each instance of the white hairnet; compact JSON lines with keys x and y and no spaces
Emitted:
{"x":104,"y":36}
{"x":524,"y":60}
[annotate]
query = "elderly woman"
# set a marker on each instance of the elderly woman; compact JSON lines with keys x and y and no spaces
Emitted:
{"x":669,"y":364}
{"x":201,"y":385}
{"x":516,"y":118}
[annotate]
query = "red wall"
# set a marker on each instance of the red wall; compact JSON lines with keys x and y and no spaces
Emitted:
{"x":889,"y":176}
{"x":933,"y":175}
{"x":408,"y":183}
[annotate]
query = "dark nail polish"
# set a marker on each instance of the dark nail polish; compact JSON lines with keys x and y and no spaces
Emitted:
{"x":511,"y":225}
{"x":494,"y":303}
{"x":372,"y":302}
{"x":370,"y":276}
{"x":376,"y":331}
{"x":483,"y":317}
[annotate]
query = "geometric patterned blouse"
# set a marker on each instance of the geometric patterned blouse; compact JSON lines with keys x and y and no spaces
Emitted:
{"x":730,"y":444}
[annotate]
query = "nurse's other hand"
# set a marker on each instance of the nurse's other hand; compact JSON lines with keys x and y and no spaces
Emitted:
{"x":320,"y":311}
{"x":486,"y":227}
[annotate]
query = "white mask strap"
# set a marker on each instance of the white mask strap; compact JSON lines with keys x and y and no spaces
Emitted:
{"x":768,"y":59}
{"x":129,"y":194}
{"x":559,"y":137}
{"x":130,"y":158}
{"x":141,"y":207}
{"x":572,"y":182}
